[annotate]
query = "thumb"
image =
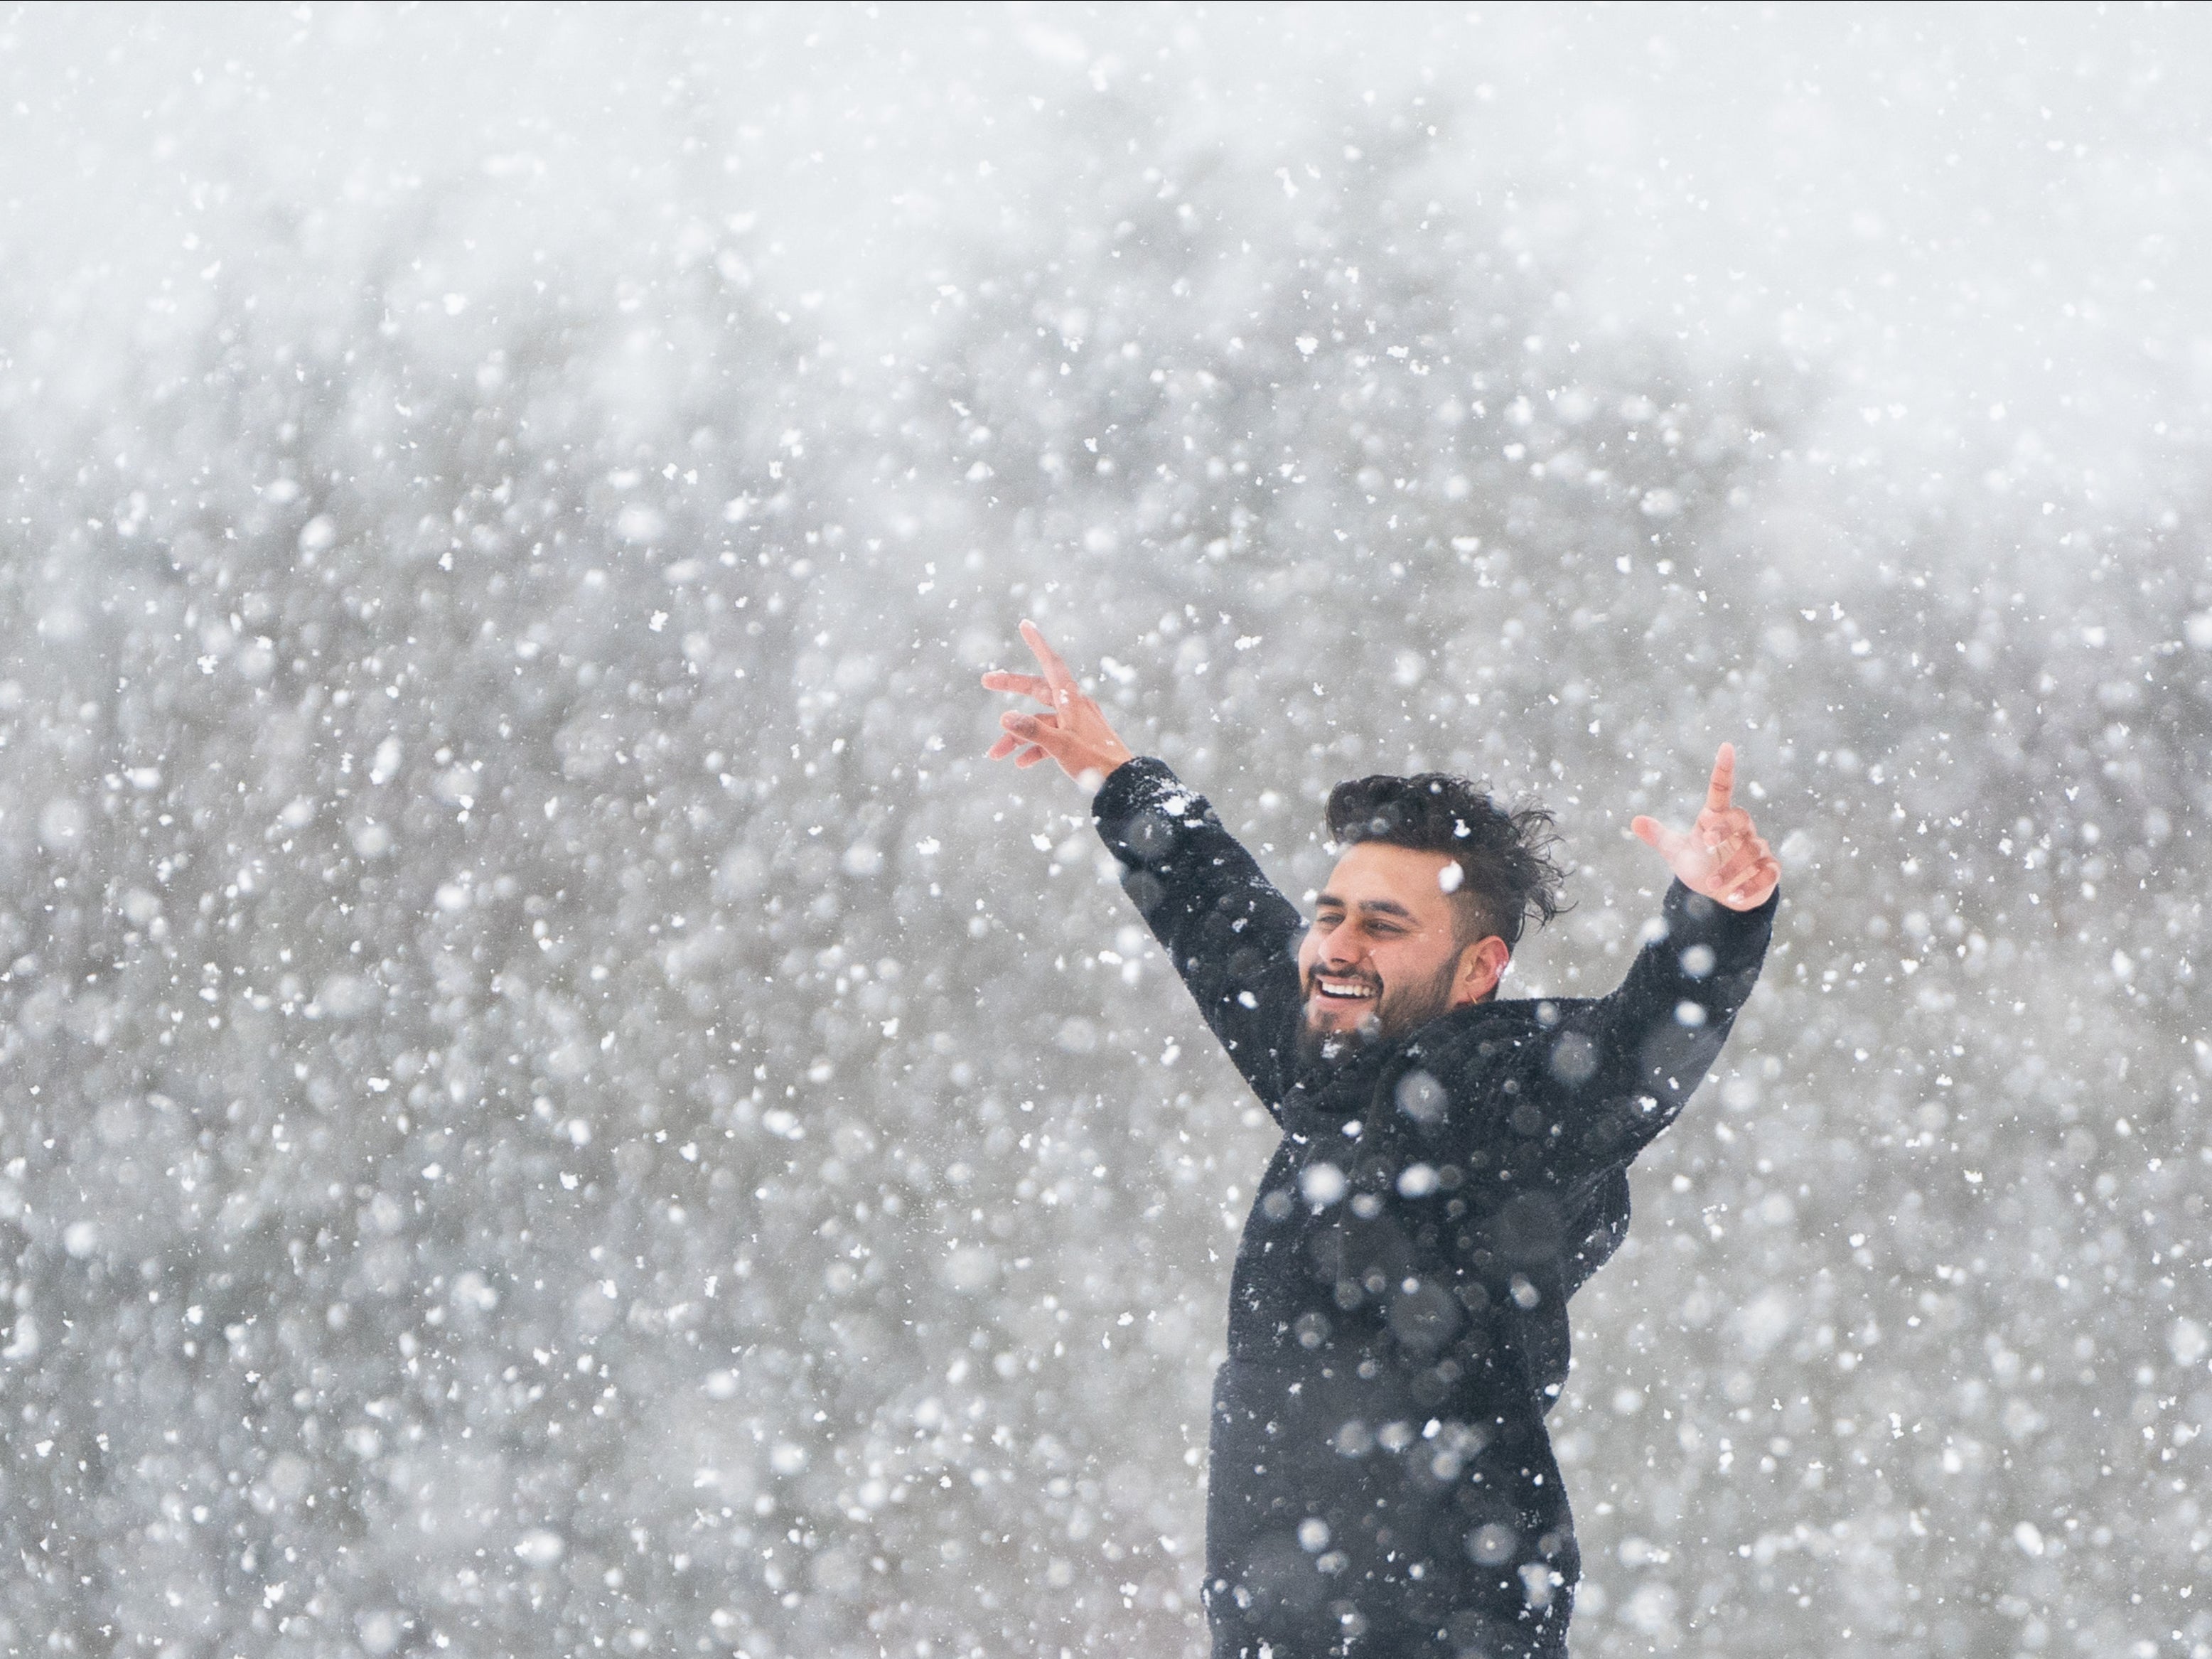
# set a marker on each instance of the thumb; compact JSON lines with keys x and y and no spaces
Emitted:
{"x":1657,"y":836}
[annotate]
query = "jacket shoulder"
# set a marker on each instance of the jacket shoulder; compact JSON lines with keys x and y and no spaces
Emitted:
{"x":1468,"y":1044}
{"x":1513,"y":1020}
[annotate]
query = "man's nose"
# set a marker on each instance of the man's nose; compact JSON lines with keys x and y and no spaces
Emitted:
{"x":1341,"y":954}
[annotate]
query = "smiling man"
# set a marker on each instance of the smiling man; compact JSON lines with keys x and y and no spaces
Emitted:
{"x":1404,"y":931}
{"x":1453,"y":1167}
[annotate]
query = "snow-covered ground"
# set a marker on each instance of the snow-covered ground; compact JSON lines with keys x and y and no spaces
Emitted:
{"x":552,"y":1101}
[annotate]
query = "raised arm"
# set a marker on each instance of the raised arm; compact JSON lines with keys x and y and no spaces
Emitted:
{"x":1231,"y":936}
{"x":1621,"y":1069}
{"x":1617,"y":1071}
{"x":1596,"y":1081}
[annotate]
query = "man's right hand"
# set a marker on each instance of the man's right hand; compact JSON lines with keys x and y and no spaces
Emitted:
{"x":1075,"y":732}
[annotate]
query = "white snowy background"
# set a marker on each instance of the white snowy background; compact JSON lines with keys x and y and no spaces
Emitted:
{"x":550,"y":1101}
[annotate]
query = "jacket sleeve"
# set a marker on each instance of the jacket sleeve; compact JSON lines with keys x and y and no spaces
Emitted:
{"x":1231,"y":936}
{"x":1598,"y":1084}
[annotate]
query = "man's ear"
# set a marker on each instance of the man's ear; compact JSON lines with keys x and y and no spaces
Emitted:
{"x":1481,"y":965}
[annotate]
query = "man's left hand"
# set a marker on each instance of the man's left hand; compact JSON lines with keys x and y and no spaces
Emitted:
{"x":1722,"y":857}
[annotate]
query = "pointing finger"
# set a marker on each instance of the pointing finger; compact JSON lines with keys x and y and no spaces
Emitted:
{"x":1055,"y":670}
{"x":1724,"y":784}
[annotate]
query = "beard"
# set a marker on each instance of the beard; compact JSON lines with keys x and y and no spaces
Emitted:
{"x":1398,"y":1011}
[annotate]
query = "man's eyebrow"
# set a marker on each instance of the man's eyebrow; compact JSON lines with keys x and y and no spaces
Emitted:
{"x":1387,"y":907}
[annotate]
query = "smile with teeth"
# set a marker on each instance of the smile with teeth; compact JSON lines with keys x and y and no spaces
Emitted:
{"x":1343,"y":990}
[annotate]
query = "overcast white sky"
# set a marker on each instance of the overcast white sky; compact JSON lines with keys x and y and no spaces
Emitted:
{"x":1950,"y":207}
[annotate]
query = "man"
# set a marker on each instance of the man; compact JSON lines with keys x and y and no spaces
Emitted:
{"x":1452,"y":1166}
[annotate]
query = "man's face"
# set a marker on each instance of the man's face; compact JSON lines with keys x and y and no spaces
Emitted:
{"x":1383,"y":955}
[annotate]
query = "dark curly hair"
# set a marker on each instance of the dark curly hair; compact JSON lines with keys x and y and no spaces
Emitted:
{"x":1507,"y":858}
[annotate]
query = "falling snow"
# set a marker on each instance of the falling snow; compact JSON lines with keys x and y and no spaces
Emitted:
{"x":554,"y":1103}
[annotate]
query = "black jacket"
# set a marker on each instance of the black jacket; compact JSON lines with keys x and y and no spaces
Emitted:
{"x":1433,"y":1201}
